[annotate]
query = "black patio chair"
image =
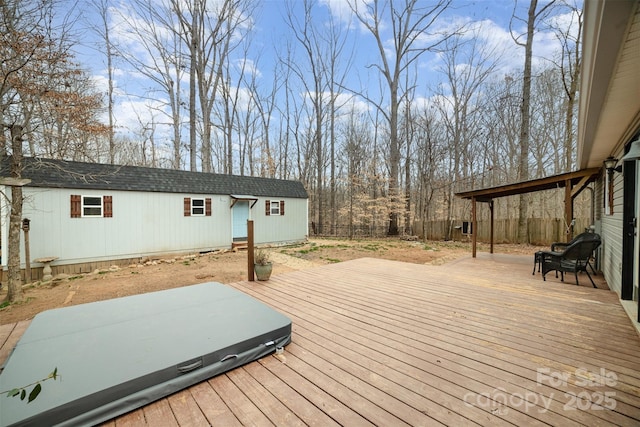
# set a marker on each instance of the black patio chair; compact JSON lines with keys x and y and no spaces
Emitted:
{"x":555,"y":246}
{"x":559,"y":247}
{"x":573,"y":259}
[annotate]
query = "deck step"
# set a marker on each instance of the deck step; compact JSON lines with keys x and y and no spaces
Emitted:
{"x":239,"y":245}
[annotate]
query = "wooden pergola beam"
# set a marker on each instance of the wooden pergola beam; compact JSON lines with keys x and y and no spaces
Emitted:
{"x":573,"y":183}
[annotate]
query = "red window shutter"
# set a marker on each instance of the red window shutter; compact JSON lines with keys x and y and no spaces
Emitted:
{"x":187,"y":206}
{"x":281,"y":207}
{"x":76,"y":206}
{"x":207,"y":206}
{"x":107,"y":201}
{"x":267,"y":207}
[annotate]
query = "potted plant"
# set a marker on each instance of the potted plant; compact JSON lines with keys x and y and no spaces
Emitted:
{"x":262,"y":265}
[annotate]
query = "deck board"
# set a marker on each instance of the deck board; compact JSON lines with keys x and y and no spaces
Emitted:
{"x":185,"y":409}
{"x":212,"y":406}
{"x":379,"y":342}
{"x":160,"y":413}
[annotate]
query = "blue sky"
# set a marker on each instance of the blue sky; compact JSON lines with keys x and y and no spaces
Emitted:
{"x":270,"y":34}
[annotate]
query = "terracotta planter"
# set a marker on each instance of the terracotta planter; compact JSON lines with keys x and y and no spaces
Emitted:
{"x":263,"y":272}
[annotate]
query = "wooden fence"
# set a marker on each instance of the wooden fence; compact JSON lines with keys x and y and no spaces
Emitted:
{"x":540,"y":231}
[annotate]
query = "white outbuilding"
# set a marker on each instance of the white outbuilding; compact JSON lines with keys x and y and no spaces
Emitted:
{"x":88,"y":215}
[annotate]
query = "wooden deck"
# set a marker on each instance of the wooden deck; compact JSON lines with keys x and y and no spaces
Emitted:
{"x":473,"y":342}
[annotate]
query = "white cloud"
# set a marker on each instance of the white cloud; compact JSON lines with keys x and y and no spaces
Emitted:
{"x":339,"y":9}
{"x":250,"y":67}
{"x":131,"y":114}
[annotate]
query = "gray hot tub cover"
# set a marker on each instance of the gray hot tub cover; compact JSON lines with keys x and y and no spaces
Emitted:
{"x":118,"y":355}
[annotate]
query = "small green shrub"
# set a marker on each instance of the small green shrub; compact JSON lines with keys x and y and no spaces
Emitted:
{"x":311,"y":249}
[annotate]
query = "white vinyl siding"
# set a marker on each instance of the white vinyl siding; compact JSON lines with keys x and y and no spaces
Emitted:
{"x":288,"y":227}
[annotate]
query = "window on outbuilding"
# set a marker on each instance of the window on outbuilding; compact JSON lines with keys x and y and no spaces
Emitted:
{"x":91,"y":206}
{"x":274,"y":207}
{"x":197,"y":206}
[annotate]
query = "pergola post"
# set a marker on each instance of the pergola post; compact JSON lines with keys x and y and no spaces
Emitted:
{"x":491,"y":222}
{"x":568,"y":210}
{"x":474,"y":228}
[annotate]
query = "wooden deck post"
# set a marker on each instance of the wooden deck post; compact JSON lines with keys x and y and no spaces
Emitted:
{"x":250,"y":272}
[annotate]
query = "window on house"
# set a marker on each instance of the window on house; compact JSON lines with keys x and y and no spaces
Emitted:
{"x":274,"y":207}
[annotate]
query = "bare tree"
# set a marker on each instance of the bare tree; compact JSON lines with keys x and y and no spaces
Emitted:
{"x":66,"y":120}
{"x":569,"y":64}
{"x":337,"y":63}
{"x":315,"y":85}
{"x":104,"y":32}
{"x":410,"y":24}
{"x":430,"y":154}
{"x":211,"y":30}
{"x":467,"y":63}
{"x":150,"y":26}
{"x":34,"y":68}
{"x":533,"y":15}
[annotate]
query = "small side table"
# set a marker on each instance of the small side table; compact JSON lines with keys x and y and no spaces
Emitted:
{"x":46,"y":270}
{"x":537,"y":260}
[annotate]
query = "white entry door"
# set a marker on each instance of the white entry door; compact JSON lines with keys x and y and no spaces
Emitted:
{"x":240,"y":217}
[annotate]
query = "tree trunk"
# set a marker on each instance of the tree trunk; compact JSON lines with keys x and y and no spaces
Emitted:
{"x":319,"y":170}
{"x":193,"y":50}
{"x":394,"y":162}
{"x":571,"y":100}
{"x":524,"y":124}
{"x":333,"y":208}
{"x":14,"y":286}
{"x":407,"y":177}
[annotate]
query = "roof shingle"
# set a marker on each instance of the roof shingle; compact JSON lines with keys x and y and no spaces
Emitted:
{"x":96,"y":176}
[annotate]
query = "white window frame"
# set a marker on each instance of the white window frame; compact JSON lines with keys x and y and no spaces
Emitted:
{"x":203,"y":207}
{"x":83,"y":206}
{"x":272,"y":211}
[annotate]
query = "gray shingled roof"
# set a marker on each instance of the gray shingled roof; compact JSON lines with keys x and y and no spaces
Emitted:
{"x":95,"y":176}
